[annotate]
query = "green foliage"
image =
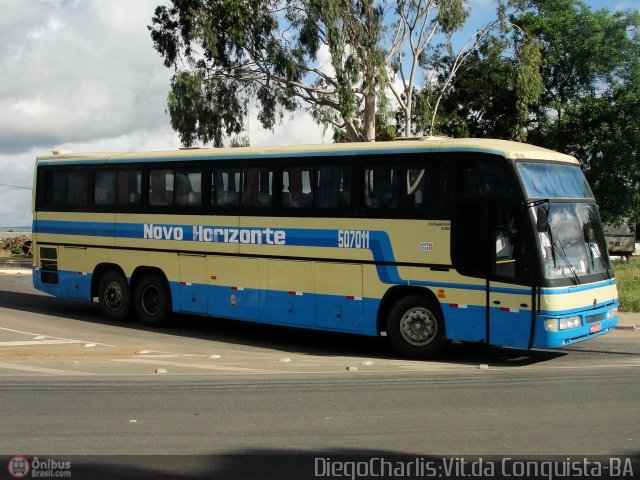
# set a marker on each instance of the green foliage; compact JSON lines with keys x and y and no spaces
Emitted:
{"x":16,"y":251}
{"x":228,"y":52}
{"x":484,"y":99}
{"x":589,"y":107}
{"x":567,"y":78}
{"x":628,"y":281}
{"x":225,"y":52}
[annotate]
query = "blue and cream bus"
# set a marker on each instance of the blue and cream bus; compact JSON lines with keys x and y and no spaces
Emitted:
{"x":424,"y":241}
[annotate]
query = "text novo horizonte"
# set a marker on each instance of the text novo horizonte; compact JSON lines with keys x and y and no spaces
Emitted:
{"x":201,"y":233}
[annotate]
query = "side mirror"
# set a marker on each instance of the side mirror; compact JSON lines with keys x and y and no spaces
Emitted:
{"x":542,"y":222}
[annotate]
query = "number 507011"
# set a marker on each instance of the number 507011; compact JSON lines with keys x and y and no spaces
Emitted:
{"x":353,"y":238}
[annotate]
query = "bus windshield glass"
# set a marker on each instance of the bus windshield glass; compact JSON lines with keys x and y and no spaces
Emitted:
{"x":573,"y":245}
{"x":553,"y":180}
{"x":572,"y":241}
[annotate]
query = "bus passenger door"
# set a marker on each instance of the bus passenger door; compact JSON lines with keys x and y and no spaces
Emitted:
{"x":469,"y":254}
{"x":510,"y":292}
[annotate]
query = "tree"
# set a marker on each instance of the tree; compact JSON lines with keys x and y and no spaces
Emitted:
{"x":491,"y":96}
{"x":589,"y":107}
{"x":586,"y":101}
{"x":604,"y":133}
{"x":225,"y":52}
{"x":495,"y":92}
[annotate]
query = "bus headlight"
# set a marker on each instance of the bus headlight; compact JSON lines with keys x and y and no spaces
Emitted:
{"x":612,"y":313}
{"x":557,"y":324}
{"x":571,"y":322}
{"x":551,"y":325}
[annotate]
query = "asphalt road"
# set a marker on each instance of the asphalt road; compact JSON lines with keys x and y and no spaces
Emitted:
{"x":72,"y":383}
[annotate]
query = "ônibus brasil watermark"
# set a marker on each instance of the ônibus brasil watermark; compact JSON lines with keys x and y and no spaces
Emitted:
{"x":22,"y":467}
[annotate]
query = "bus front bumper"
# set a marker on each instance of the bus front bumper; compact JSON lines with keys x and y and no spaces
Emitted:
{"x":555,"y":331}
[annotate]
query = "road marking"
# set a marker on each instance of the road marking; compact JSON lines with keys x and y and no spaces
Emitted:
{"x":29,"y":343}
{"x":50,"y":371}
{"x":55,"y":338}
{"x":195,"y":365}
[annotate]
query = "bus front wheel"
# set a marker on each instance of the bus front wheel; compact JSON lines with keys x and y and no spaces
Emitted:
{"x":114,"y":295}
{"x":415,"y":327}
{"x":152,"y":300}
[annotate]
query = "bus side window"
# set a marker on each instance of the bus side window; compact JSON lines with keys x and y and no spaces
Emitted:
{"x":77,"y":189}
{"x":67,"y":188}
{"x":511,"y":255}
{"x":333,"y":187}
{"x":129,"y":187}
{"x":257,"y":187}
{"x":188,"y":188}
{"x":104,"y":192}
{"x":55,"y":188}
{"x":228,"y":184}
{"x":381,"y":186}
{"x":161,"y":187}
{"x":296,"y":187}
{"x":483,"y":178}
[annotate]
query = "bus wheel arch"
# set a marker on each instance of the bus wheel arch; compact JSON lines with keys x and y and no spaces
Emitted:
{"x":151,"y":296}
{"x":414,"y":322}
{"x":110,"y":285}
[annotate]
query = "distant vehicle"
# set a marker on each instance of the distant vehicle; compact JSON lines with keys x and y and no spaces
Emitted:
{"x":621,"y":241}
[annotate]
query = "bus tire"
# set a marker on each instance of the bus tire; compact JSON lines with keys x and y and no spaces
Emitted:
{"x":114,"y":295}
{"x":415,"y":327}
{"x":152,"y":300}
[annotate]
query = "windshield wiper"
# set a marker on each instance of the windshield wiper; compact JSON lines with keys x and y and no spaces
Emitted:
{"x":543,"y":225}
{"x":561,"y":252}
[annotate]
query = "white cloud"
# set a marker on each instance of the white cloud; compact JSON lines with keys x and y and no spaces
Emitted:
{"x":84,"y":76}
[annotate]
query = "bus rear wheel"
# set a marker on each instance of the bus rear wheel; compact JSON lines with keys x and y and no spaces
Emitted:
{"x":152,"y":300}
{"x":415,"y":327}
{"x":114,"y":295}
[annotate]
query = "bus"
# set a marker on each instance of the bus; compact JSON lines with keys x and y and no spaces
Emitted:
{"x":424,"y":241}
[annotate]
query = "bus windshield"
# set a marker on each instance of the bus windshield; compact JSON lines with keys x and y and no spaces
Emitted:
{"x":573,"y":245}
{"x":554,"y":180}
{"x":571,"y":240}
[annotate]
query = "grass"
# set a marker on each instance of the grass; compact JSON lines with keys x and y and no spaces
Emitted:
{"x":628,"y":280}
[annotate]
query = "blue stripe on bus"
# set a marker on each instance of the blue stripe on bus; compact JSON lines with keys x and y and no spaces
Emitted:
{"x":379,"y":246}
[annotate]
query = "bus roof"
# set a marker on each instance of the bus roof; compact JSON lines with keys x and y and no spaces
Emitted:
{"x":505,"y":148}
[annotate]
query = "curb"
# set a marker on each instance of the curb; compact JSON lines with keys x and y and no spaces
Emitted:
{"x":626,"y":327}
{"x":16,"y":271}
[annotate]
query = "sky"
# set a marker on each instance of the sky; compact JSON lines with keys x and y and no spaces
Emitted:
{"x":83,"y":75}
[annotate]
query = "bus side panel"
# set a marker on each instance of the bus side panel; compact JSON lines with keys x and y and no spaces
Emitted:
{"x":75,"y":279}
{"x":465,"y":322}
{"x":338,"y":296}
{"x":193,"y":285}
{"x":234,"y":290}
{"x":290,"y":296}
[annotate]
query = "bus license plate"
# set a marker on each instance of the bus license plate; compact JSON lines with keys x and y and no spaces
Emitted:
{"x":595,"y":328}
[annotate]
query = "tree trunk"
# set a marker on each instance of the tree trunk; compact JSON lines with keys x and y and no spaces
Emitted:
{"x":369,"y":116}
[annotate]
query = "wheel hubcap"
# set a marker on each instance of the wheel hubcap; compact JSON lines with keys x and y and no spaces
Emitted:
{"x":151,"y":300}
{"x":418,"y":326}
{"x":113,"y":296}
